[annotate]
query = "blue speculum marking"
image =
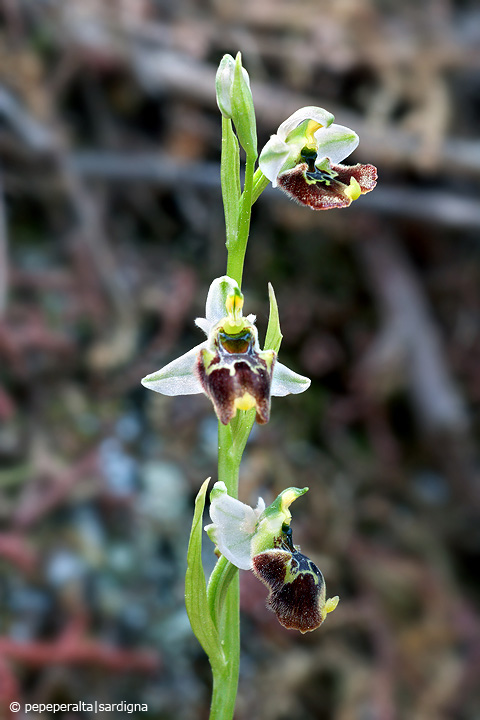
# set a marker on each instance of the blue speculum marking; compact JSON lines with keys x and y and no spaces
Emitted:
{"x":313,"y":173}
{"x":288,"y":538}
{"x":236,"y":344}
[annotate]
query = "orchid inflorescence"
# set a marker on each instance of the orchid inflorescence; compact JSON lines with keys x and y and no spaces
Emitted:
{"x":304,"y":159}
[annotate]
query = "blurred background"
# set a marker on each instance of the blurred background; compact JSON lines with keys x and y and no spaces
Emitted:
{"x":111,"y":230}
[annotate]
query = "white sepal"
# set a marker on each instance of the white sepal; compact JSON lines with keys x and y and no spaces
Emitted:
{"x":323,"y":117}
{"x":217,"y":296}
{"x":178,"y":377}
{"x":286,"y":382}
{"x":273,"y":157}
{"x":335,"y":142}
{"x":233,"y":526}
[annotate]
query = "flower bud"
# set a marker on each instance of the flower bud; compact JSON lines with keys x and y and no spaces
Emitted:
{"x":243,"y":112}
{"x":223,"y":85}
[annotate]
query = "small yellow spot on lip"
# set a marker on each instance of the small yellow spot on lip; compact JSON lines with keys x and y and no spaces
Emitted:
{"x":353,"y":190}
{"x":246,"y":402}
{"x":329,"y":606}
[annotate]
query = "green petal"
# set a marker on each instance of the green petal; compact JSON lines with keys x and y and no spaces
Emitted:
{"x":274,"y":518}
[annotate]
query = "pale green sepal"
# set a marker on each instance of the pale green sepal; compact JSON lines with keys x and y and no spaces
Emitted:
{"x":233,"y":525}
{"x":196,"y":590}
{"x":243,"y":111}
{"x":286,"y":382}
{"x":178,"y":377}
{"x":273,"y":158}
{"x":270,"y":524}
{"x":273,"y":338}
{"x":336,"y":143}
{"x":323,"y":117}
{"x":230,"y":180}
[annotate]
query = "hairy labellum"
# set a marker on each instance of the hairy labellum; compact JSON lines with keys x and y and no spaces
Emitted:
{"x":319,"y":192}
{"x":297,"y":588}
{"x":237,"y":376}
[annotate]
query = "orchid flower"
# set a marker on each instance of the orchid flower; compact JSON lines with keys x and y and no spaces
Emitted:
{"x":303,"y":158}
{"x":260,"y":539}
{"x":229,"y":366}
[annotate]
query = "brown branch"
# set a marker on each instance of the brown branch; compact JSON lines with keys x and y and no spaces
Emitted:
{"x":410,"y":336}
{"x":72,"y":648}
{"x":14,"y":548}
{"x":408,"y":352}
{"x":389,"y":145}
{"x":437,"y":207}
{"x":37,"y":500}
{"x":3,"y":253}
{"x":78,"y":652}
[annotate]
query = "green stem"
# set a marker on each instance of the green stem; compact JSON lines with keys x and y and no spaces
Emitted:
{"x":223,"y":594}
{"x":225,"y":679}
{"x":236,"y":250}
{"x":224,"y":693}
